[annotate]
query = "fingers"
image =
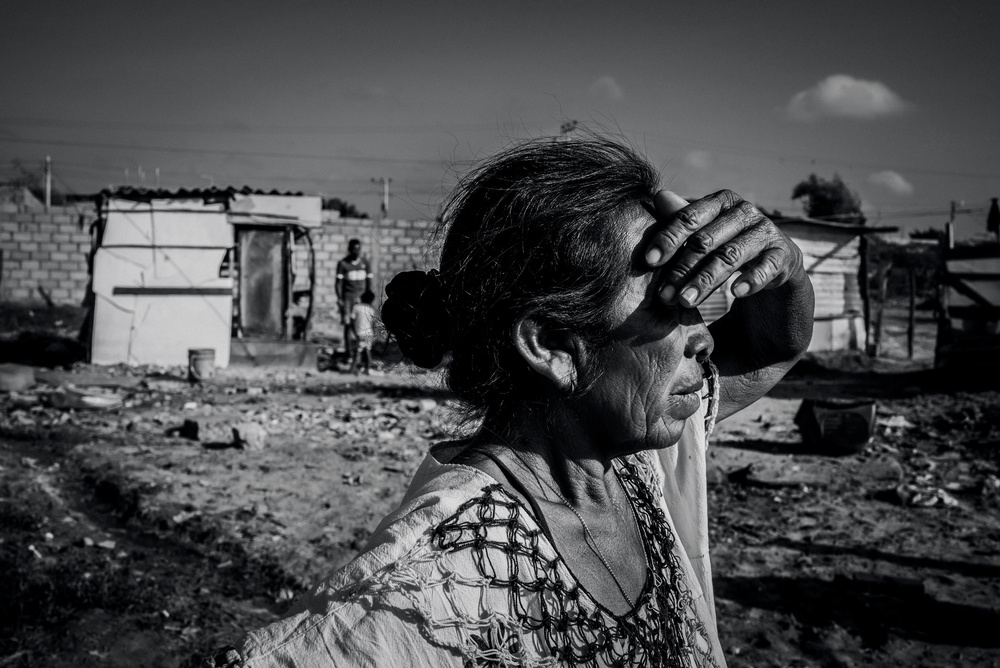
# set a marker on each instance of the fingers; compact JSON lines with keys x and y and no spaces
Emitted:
{"x":703,"y":244}
{"x":682,"y":220}
{"x":714,"y":253}
{"x":668,"y":203}
{"x":760,"y":273}
{"x":672,"y":234}
{"x":669,"y":237}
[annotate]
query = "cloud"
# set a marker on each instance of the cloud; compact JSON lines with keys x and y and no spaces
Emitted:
{"x":843,"y":96}
{"x":698,"y":160}
{"x":892,"y":182}
{"x":607,"y":88}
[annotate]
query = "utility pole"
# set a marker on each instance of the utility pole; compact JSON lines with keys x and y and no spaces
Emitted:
{"x":993,"y":218}
{"x":48,"y":182}
{"x":950,"y":226}
{"x":384,"y":213}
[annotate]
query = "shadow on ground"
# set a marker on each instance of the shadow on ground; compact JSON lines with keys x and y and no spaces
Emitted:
{"x":868,"y":609}
{"x":42,"y":349}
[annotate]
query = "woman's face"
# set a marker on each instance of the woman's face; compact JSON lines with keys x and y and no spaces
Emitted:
{"x":651,"y":373}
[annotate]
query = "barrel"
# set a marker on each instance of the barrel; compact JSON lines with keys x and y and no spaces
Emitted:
{"x":201,"y":364}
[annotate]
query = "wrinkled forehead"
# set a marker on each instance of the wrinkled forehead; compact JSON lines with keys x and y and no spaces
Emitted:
{"x":639,"y":226}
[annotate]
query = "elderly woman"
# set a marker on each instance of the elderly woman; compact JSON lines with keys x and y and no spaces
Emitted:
{"x":571,"y":527}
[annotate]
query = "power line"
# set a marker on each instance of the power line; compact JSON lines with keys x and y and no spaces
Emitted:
{"x":360,"y":189}
{"x":91,"y":171}
{"x":243,"y":129}
{"x":320,"y":182}
{"x":790,"y":157}
{"x":723,"y":147}
{"x":225,"y":152}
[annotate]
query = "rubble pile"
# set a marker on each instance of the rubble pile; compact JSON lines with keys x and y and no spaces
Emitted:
{"x":949,"y":457}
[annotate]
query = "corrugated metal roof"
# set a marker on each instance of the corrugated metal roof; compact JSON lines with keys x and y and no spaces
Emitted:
{"x":213,"y":194}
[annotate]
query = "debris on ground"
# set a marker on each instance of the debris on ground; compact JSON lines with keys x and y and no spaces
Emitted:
{"x":186,"y":514}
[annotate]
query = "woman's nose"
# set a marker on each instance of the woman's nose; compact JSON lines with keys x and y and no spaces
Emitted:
{"x":700,"y":343}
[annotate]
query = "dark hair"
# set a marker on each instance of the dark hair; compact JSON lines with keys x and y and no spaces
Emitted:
{"x":367,"y":297}
{"x":535,"y":230}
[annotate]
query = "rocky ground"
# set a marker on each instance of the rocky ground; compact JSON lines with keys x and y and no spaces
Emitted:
{"x":145,"y":520}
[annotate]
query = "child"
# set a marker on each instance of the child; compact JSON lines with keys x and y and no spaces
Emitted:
{"x":363,"y":329}
{"x":298,"y":312}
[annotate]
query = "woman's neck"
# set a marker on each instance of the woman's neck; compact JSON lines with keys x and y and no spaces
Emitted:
{"x":555,"y":450}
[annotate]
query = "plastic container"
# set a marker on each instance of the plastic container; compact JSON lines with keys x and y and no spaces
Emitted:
{"x":201,"y":364}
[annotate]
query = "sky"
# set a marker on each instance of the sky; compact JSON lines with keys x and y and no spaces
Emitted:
{"x":323,"y":97}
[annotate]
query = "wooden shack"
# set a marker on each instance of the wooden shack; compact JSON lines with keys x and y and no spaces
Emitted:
{"x":176,"y":271}
{"x":833,"y":254}
{"x":969,"y":321}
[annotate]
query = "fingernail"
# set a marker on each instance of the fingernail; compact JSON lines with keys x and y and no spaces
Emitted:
{"x":741,"y":289}
{"x":689,"y":296}
{"x":667,"y":293}
{"x":653,"y":256}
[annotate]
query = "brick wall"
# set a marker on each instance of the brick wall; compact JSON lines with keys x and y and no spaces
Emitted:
{"x":49,"y":249}
{"x":44,"y":249}
{"x":391,"y":246}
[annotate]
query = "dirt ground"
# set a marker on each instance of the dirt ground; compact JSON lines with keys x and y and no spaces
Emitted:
{"x":126,"y":538}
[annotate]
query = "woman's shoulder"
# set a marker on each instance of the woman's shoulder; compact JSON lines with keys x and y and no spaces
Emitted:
{"x":371,"y":608}
{"x":438,"y":491}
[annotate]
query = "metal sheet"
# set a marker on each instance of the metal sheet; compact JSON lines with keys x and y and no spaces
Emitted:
{"x":263,"y":284}
{"x":160,"y":223}
{"x":152,"y":305}
{"x":277,"y":209}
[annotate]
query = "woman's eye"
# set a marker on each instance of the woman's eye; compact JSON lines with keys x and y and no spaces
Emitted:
{"x":667,"y":314}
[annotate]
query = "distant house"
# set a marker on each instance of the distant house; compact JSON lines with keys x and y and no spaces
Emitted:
{"x":832,"y":254}
{"x":198,"y":269}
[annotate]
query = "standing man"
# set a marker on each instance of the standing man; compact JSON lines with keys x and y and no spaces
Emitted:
{"x":354,"y":278}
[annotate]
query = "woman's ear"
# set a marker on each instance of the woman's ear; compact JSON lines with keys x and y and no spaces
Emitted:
{"x":552,"y":353}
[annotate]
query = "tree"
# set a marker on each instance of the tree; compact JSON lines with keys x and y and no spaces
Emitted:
{"x":829,"y":200}
{"x":33,"y":180}
{"x":930,"y":233}
{"x":346,"y":209}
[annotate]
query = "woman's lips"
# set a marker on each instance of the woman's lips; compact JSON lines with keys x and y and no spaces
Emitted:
{"x":691,"y":388}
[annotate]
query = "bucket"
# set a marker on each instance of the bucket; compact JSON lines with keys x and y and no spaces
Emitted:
{"x":201,"y":364}
{"x":836,"y":426}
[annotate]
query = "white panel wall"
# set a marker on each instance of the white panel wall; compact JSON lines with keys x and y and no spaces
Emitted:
{"x":156,"y":283}
{"x":166,"y":223}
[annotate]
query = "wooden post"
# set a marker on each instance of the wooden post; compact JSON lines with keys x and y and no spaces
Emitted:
{"x":911,"y":330}
{"x":883,"y":284}
{"x":288,"y":280}
{"x":48,"y":182}
{"x":866,"y":297}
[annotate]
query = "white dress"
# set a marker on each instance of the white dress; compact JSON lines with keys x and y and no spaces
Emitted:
{"x":461,"y":574}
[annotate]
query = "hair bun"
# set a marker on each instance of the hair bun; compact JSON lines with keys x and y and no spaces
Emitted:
{"x":415,"y":313}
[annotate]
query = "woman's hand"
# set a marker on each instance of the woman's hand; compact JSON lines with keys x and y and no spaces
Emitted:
{"x":700,"y":246}
{"x":704,"y":243}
